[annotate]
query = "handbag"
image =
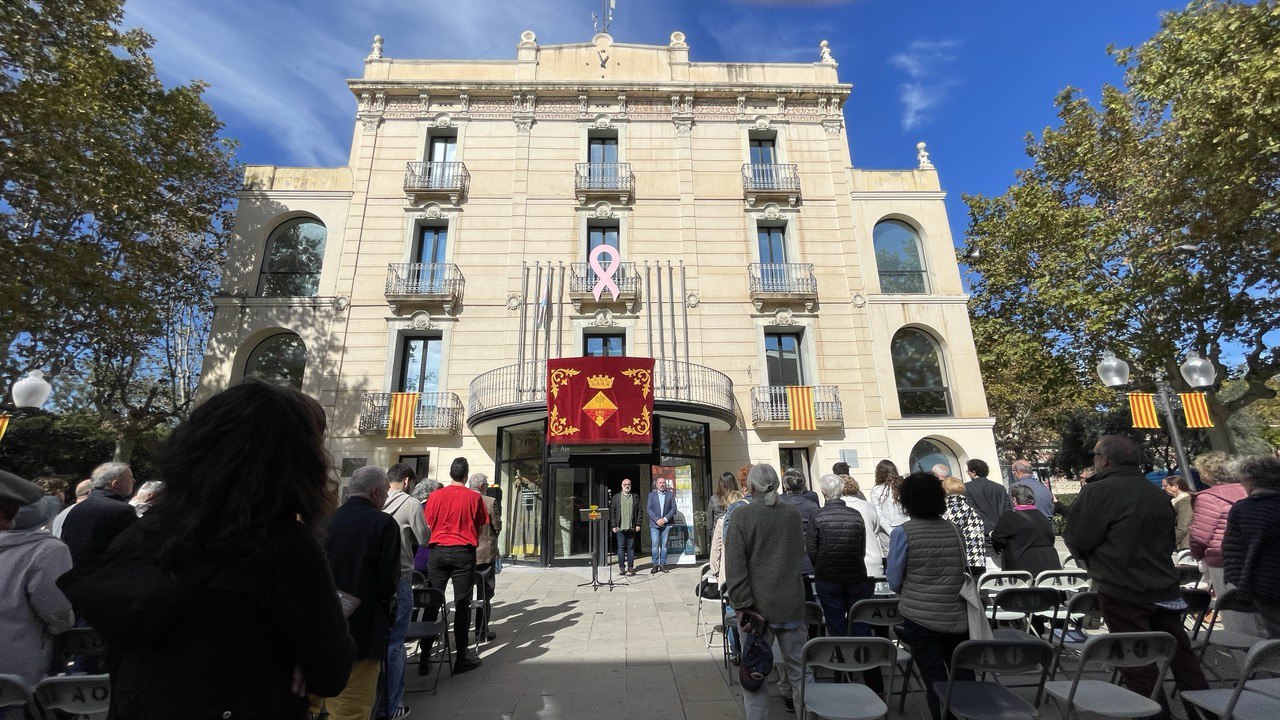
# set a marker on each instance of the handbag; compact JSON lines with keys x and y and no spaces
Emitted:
{"x":979,"y":627}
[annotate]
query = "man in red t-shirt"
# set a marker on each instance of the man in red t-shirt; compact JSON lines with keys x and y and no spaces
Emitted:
{"x":455,"y":515}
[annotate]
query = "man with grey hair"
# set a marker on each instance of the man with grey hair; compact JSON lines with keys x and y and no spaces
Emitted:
{"x":486,"y":556}
{"x":764,"y":546}
{"x":942,"y":471}
{"x":92,"y":525}
{"x":363,"y":545}
{"x":1024,"y":474}
{"x":413,"y":532}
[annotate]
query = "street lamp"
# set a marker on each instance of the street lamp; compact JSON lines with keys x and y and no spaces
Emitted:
{"x":1197,"y":371}
{"x":31,"y":391}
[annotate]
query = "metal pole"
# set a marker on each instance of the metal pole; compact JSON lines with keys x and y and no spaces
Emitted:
{"x":662,"y":335}
{"x":546,"y":316}
{"x":537,"y":299}
{"x":560,"y":315}
{"x":675,"y":343}
{"x":684,"y":308}
{"x":524,"y":314}
{"x":1165,"y":393}
{"x":648,"y":309}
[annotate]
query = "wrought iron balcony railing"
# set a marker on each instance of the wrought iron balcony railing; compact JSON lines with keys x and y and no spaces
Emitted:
{"x":764,"y":178}
{"x":604,"y":177}
{"x":783,"y":279}
{"x":524,"y":385}
{"x":582,"y":279}
{"x":419,"y":284}
{"x":769,"y":405}
{"x":438,"y":412}
{"x":443,"y":177}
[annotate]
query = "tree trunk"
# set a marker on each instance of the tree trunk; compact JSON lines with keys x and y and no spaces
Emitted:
{"x":1220,"y":437}
{"x":124,"y":447}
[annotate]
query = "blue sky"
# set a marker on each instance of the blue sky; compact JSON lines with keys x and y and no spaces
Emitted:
{"x":969,"y":79}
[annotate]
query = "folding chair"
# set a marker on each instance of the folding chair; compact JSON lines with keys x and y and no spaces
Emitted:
{"x":430,"y":631}
{"x":844,"y":700}
{"x":989,"y":699}
{"x":883,"y":612}
{"x":77,"y":642}
{"x":730,"y":619}
{"x":1118,"y":650}
{"x":1199,"y":602}
{"x":991,"y":583}
{"x":1016,"y":604}
{"x":1080,"y":609}
{"x":481,"y":601}
{"x":1250,"y":699}
{"x":14,"y":693}
{"x":1228,"y":641}
{"x":708,"y":588}
{"x":813,"y":620}
{"x":84,"y":696}
{"x":1188,"y":575}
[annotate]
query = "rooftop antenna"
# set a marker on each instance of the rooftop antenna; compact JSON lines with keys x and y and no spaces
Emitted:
{"x":601,"y":22}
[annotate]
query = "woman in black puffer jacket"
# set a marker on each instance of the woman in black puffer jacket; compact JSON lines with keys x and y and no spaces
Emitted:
{"x":1251,"y":544}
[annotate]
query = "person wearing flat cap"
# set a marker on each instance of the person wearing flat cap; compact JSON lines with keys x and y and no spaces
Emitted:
{"x":32,"y":608}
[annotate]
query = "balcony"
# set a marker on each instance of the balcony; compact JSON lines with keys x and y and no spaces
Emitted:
{"x":770,"y":181}
{"x":603,"y":180}
{"x":783,"y":282}
{"x":439,"y":413}
{"x":518,"y":393}
{"x":582,"y":280}
{"x":769,"y":407}
{"x":424,"y":180}
{"x":423,"y":286}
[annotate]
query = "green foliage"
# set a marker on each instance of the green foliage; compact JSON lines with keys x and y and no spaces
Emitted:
{"x":112,"y":212}
{"x":1148,"y":221}
{"x":70,"y":444}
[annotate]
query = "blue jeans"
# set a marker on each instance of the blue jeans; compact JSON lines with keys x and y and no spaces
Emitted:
{"x":627,"y":541}
{"x":394,"y":684}
{"x":658,"y":544}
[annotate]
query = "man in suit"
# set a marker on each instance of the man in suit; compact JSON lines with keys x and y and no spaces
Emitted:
{"x":363,"y":545}
{"x":624,"y":510}
{"x":662,"y":511}
{"x":92,"y":525}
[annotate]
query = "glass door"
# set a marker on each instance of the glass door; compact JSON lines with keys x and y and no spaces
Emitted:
{"x":602,"y":154}
{"x":433,"y":245}
{"x":571,"y":491}
{"x":443,"y":150}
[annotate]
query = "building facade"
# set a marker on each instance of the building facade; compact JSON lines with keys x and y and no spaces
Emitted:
{"x":450,"y":257}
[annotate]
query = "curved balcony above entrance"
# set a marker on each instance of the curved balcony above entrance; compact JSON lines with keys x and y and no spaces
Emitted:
{"x":518,"y":393}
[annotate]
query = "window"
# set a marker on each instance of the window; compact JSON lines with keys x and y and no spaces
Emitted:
{"x":898,"y":258}
{"x":763,"y":151}
{"x":794,"y":457}
{"x":604,"y":345}
{"x":421,"y":465}
{"x":598,"y":235}
{"x":929,"y":452}
{"x":772,"y":243}
{"x":917,"y":368}
{"x":420,"y":365}
{"x":280,"y":359}
{"x":442,"y":152}
{"x":291,"y":262}
{"x":602,"y":159}
{"x":431,"y":272}
{"x":782,"y":359}
{"x":442,"y":148}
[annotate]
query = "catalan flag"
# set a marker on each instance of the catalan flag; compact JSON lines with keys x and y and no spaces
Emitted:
{"x":1195,"y":405}
{"x":4,"y":425}
{"x":800,"y":407}
{"x":404,"y":406}
{"x":1142,"y":407}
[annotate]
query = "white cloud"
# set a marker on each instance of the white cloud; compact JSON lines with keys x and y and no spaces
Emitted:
{"x":927,"y":84}
{"x":736,"y":33}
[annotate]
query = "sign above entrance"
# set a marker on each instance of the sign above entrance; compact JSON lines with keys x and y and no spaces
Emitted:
{"x":600,"y":400}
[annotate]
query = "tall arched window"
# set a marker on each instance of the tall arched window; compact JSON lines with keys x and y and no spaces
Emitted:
{"x":917,"y":368}
{"x":898,"y":258}
{"x":291,"y":263}
{"x":280,"y":359}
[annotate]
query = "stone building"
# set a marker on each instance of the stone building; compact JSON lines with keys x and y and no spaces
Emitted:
{"x":449,"y":257}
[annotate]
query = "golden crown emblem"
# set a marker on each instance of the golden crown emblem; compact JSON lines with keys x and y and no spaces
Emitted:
{"x":599,"y":382}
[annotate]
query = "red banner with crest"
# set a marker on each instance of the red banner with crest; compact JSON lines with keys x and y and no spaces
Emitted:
{"x":599,"y":400}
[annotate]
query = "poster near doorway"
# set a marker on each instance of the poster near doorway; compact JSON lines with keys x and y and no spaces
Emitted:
{"x":680,"y":541}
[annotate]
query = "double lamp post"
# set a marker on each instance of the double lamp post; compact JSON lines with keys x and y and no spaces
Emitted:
{"x":1196,"y":370}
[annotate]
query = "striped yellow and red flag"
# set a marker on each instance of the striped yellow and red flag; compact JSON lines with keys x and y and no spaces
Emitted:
{"x":4,"y":425}
{"x":1142,"y":407}
{"x":800,"y":407}
{"x":403,"y":408}
{"x":1195,"y":405}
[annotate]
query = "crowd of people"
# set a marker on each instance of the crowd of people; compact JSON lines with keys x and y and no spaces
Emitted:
{"x":238,"y":587}
{"x":925,"y":533}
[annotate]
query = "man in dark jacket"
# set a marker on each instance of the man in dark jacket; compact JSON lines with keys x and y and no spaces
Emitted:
{"x":988,"y":497}
{"x":92,"y":525}
{"x":1251,"y":545}
{"x":1121,"y":527}
{"x":625,"y":514}
{"x":837,"y":543}
{"x":363,"y":545}
{"x":795,"y":495}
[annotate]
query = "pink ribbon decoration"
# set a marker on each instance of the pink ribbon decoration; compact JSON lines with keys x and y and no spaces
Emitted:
{"x":604,"y":275}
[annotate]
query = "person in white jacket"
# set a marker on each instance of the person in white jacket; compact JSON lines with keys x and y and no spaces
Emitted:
{"x":32,"y":608}
{"x":884,"y":499}
{"x":874,"y":557}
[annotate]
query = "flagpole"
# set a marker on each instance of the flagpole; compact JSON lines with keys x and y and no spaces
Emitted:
{"x":1165,"y":394}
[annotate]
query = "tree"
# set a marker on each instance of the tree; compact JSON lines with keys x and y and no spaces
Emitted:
{"x":1150,"y":223}
{"x":114,"y":187}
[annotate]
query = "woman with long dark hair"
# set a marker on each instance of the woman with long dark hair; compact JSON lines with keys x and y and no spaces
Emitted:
{"x":719,"y":502}
{"x":220,"y":602}
{"x":886,"y":498}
